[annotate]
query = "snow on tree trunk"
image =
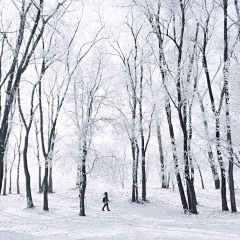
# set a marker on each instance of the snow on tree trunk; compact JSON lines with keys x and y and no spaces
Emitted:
{"x":209,"y":148}
{"x":45,"y":185}
{"x":228,"y":123}
{"x":50,"y":187}
{"x":82,"y":179}
{"x":160,"y":148}
{"x":222,"y":167}
{"x":175,"y":158}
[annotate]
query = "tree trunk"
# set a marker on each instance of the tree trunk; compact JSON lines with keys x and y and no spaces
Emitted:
{"x":5,"y":177}
{"x":228,"y":124}
{"x":164,"y":177}
{"x":2,"y":149}
{"x":82,"y":180}
{"x":10,"y":181}
{"x":10,"y":173}
{"x":231,"y":187}
{"x":45,"y":188}
{"x":39,"y":162}
{"x":222,"y":168}
{"x":27,"y":175}
{"x":209,"y":148}
{"x":143,"y":153}
{"x":192,"y":175}
{"x":1,"y":170}
{"x":143,"y":179}
{"x":50,"y":187}
{"x":40,"y":179}
{"x":200,"y":173}
{"x":189,"y":154}
{"x":133,"y":172}
{"x":136,"y":175}
{"x":18,"y":168}
{"x":175,"y":158}
{"x":189,"y":183}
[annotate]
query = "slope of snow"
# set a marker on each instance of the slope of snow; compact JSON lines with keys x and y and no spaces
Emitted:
{"x":161,"y":218}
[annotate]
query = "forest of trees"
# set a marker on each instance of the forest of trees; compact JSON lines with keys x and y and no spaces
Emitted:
{"x":155,"y":77}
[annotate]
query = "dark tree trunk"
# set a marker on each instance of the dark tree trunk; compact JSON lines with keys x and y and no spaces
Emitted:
{"x":82,"y":180}
{"x":231,"y":187}
{"x":192,"y":177}
{"x":27,"y":175}
{"x":223,"y":190}
{"x":228,"y":124}
{"x":40,"y":189}
{"x":50,"y":187}
{"x":133,"y":172}
{"x":18,"y":168}
{"x":136,"y":175}
{"x":143,"y":179}
{"x":175,"y":158}
{"x":143,"y":151}
{"x":222,"y":168}
{"x":1,"y":168}
{"x":45,"y":186}
{"x":10,"y":181}
{"x":190,"y":187}
{"x":189,"y":152}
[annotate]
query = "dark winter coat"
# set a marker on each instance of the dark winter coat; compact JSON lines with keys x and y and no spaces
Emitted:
{"x":106,"y":198}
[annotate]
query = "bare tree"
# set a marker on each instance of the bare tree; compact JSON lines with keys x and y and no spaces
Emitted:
{"x":70,"y":65}
{"x":32,"y":22}
{"x":27,"y":126}
{"x":89,"y":96}
{"x":133,"y":70}
{"x":227,"y":99}
{"x":143,"y":138}
{"x":215,"y":110}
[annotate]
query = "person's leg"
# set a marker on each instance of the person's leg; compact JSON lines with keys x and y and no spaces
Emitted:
{"x":107,"y":207}
{"x":104,"y":206}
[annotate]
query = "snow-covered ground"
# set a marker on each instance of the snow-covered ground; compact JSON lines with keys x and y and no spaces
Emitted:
{"x":161,"y":218}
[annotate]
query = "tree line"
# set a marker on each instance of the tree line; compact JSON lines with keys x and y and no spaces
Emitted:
{"x":169,"y":66}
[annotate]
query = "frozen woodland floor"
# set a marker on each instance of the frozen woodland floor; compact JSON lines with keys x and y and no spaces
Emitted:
{"x":161,"y":218}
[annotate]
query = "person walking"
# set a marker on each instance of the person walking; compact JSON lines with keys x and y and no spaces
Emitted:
{"x":105,"y":200}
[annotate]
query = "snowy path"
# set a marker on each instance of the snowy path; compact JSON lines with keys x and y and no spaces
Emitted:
{"x":162,"y":218}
